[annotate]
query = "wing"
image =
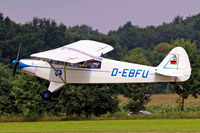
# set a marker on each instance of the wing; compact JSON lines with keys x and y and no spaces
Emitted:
{"x":82,"y":50}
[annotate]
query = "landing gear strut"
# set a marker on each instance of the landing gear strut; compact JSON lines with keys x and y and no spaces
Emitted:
{"x":46,"y":95}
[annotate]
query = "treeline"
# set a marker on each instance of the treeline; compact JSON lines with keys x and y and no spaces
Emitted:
{"x":43,"y":34}
{"x":148,"y":46}
{"x":21,"y":96}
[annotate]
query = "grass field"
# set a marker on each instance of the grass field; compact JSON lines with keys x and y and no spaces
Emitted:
{"x":103,"y":126}
{"x":166,"y":106}
{"x":171,"y":99}
{"x":139,"y":125}
{"x":165,"y":99}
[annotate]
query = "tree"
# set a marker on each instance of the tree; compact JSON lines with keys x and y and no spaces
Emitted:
{"x":138,"y":94}
{"x":6,"y":100}
{"x":192,"y":85}
{"x":177,"y":20}
{"x":137,"y":55}
{"x":88,"y":100}
{"x":162,"y":48}
{"x":26,"y":96}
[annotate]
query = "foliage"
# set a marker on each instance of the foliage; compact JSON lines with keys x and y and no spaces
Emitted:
{"x":137,"y":55}
{"x":192,"y":85}
{"x":27,"y":101}
{"x":146,"y":46}
{"x":6,"y":100}
{"x":20,"y":96}
{"x":138,"y":95}
{"x":162,"y":48}
{"x":88,"y":100}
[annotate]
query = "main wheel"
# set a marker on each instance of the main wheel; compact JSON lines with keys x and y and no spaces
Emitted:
{"x":46,"y":95}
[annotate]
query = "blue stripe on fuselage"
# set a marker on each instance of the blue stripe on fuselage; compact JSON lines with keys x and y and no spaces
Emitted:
{"x":75,"y":69}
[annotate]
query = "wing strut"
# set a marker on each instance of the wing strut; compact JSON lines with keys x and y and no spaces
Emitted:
{"x":64,"y":81}
{"x":65,"y":72}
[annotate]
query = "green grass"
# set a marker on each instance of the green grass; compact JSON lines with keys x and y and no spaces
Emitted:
{"x":182,"y":125}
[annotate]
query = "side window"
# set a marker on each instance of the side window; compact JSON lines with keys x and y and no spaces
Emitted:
{"x":55,"y":62}
{"x":72,"y":65}
{"x":51,"y":61}
{"x":93,"y":64}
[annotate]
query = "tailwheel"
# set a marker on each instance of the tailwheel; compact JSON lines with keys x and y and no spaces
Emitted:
{"x":46,"y":95}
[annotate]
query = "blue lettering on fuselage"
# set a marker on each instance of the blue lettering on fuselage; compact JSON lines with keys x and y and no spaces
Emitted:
{"x":114,"y":72}
{"x":124,"y":74}
{"x":130,"y":73}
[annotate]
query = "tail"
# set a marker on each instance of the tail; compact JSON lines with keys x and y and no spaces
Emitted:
{"x":176,"y":64}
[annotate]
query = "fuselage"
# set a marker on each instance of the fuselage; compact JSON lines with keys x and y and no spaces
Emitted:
{"x":110,"y":71}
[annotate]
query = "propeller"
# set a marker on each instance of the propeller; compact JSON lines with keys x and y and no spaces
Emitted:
{"x":16,"y":62}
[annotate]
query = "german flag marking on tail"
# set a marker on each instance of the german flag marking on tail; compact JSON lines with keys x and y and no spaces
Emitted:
{"x":174,"y":60}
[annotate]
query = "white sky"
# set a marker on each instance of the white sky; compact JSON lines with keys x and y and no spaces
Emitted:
{"x":104,"y":15}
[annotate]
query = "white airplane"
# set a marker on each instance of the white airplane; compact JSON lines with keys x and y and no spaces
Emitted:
{"x":82,"y":62}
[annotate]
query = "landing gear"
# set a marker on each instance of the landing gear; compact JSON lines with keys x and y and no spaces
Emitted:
{"x":46,"y":95}
{"x":181,"y":87}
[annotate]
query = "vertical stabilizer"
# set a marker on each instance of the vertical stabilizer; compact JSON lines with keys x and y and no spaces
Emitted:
{"x":175,"y":64}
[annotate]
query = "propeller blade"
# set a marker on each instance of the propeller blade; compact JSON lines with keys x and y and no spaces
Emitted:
{"x":16,"y":62}
{"x":15,"y":68}
{"x":17,"y":59}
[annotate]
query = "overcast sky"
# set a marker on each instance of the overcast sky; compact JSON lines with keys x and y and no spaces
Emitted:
{"x":104,"y":15}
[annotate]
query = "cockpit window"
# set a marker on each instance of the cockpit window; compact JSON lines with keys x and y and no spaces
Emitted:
{"x":93,"y":64}
{"x":56,"y":62}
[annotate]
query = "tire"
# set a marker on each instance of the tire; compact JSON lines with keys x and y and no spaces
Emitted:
{"x":46,"y":95}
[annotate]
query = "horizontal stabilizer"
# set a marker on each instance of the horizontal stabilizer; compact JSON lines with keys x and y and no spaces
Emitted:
{"x":169,"y":74}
